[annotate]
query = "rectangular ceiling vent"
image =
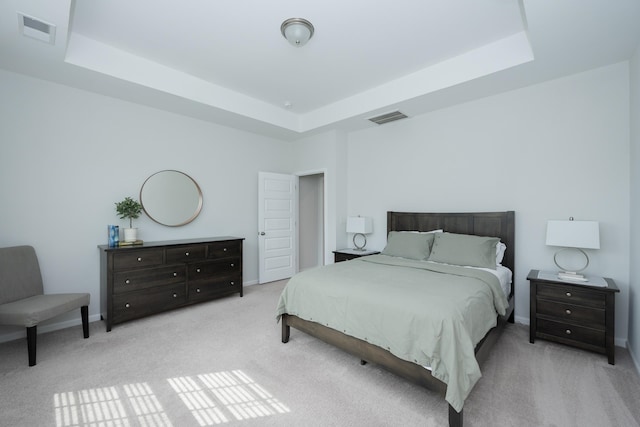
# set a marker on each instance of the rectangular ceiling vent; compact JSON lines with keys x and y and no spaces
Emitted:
{"x":388,"y":117}
{"x":36,"y":28}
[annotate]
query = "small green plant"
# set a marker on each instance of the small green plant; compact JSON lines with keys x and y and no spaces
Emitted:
{"x":129,"y":208}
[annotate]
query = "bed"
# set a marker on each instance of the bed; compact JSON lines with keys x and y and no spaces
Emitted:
{"x":432,"y":323}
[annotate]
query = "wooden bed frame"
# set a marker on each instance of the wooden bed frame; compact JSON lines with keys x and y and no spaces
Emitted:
{"x":495,"y":224}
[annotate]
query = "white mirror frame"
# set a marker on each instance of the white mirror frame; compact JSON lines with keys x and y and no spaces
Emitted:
{"x":171,"y":198}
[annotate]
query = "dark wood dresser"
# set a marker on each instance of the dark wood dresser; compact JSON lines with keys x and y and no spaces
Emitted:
{"x":573,"y":313}
{"x":137,"y":281}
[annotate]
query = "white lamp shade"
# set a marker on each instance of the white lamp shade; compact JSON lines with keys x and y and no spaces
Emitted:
{"x":359,"y":224}
{"x":573,"y":234}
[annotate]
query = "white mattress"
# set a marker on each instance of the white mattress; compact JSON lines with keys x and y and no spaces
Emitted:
{"x":504,"y":275}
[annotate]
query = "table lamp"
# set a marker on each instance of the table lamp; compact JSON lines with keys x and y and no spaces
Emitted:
{"x":573,"y":236}
{"x":360,"y":225}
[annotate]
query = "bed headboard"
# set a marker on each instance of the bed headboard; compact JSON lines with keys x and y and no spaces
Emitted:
{"x":494,"y":224}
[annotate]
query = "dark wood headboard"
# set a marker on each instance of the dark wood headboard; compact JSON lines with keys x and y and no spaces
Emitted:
{"x":493,"y":224}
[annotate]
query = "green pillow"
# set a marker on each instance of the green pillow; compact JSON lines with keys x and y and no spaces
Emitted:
{"x":408,"y":245}
{"x":464,"y":249}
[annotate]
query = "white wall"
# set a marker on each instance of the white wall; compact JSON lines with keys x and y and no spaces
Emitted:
{"x":68,"y":155}
{"x":634,"y":283}
{"x":549,"y":151}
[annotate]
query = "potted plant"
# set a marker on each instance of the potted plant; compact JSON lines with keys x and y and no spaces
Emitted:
{"x":129,"y":208}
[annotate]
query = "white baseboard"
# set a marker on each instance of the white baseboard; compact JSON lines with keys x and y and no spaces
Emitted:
{"x":635,"y":359}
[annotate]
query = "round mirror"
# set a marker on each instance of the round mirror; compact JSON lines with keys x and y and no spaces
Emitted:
{"x":171,"y":198}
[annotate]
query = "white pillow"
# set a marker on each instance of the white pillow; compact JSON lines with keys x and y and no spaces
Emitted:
{"x":422,"y":232}
{"x":500,"y":249}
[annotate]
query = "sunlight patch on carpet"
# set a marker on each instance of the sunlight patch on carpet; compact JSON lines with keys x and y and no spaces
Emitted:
{"x":212,"y":399}
{"x":212,"y":396}
{"x":106,"y":407}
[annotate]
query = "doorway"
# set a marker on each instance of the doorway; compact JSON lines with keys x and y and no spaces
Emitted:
{"x":311,"y":230}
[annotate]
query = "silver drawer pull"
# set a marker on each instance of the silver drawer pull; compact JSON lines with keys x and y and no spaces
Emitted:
{"x":197,"y":270}
{"x":568,"y":294}
{"x":127,"y":305}
{"x":126,"y":282}
{"x":568,"y":332}
{"x":139,"y":259}
{"x":567,"y":311}
{"x":175,"y":274}
{"x":198,"y":290}
{"x":233,"y":283}
{"x":186,"y":254}
{"x":175,"y":295}
{"x":224,"y":250}
{"x":232,"y":265}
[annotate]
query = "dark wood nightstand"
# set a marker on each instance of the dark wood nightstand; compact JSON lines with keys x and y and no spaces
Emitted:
{"x":580,"y":314}
{"x":347,"y":254}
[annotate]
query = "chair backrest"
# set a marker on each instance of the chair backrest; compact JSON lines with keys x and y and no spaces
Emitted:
{"x":20,"y":275}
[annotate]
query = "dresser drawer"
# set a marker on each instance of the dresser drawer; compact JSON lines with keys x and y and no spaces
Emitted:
{"x":131,"y":305}
{"x":571,"y":294}
{"x":205,"y":270}
{"x":186,"y":253}
{"x":218,"y":286}
{"x":225,"y":249}
{"x":566,"y":331}
{"x":138,"y":258}
{"x":130,"y":280}
{"x":587,"y":316}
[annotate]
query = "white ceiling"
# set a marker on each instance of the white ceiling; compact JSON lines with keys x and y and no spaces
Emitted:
{"x":226,"y":61}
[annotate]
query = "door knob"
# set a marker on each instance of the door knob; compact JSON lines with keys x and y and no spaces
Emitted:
{"x":262,"y":233}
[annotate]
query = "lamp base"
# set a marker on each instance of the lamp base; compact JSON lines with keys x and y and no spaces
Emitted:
{"x":357,"y":247}
{"x":570,"y":275}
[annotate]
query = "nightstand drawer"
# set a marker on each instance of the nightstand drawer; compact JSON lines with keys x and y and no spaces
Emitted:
{"x":571,"y":294}
{"x":349,"y":254}
{"x":571,"y":332}
{"x":572,"y":313}
{"x":338,"y":257}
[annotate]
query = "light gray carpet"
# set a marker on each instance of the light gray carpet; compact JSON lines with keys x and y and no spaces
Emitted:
{"x":222,"y":363}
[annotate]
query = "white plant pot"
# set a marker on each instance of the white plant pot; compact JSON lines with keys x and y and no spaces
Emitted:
{"x":130,"y":234}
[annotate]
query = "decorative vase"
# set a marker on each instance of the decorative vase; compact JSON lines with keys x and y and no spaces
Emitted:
{"x":130,"y":234}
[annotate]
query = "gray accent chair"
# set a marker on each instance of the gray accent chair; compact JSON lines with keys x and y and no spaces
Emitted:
{"x":22,"y":298}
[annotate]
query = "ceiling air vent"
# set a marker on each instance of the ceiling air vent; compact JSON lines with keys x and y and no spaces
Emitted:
{"x":36,"y":28}
{"x":388,"y":117}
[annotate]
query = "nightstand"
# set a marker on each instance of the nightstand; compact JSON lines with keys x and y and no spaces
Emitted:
{"x":347,"y":254}
{"x":580,"y":314}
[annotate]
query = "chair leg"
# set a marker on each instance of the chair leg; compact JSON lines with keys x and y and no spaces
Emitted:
{"x":32,"y":333}
{"x":84,"y":311}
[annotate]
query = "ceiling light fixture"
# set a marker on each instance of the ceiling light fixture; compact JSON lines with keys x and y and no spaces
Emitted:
{"x":297,"y":31}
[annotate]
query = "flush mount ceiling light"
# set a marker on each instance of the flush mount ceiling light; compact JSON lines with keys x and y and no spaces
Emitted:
{"x":297,"y":31}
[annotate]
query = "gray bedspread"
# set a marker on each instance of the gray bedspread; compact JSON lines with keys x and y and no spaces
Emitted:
{"x":426,"y":313}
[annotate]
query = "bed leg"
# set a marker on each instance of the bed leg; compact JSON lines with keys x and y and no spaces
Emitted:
{"x":512,"y":318}
{"x":455,"y":418}
{"x":286,"y":329}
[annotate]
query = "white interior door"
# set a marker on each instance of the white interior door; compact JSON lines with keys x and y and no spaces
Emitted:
{"x":276,"y":226}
